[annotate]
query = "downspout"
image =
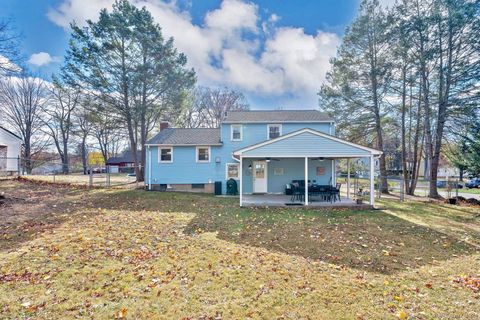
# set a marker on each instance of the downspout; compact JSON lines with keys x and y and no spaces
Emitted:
{"x":149,"y":168}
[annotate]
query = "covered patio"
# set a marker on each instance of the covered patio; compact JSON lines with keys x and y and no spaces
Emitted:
{"x":300,"y":168}
{"x":281,"y":200}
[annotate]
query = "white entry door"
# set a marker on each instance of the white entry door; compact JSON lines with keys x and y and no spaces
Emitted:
{"x":259,"y":176}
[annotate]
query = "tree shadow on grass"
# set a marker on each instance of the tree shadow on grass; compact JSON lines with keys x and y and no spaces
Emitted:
{"x":365,"y":240}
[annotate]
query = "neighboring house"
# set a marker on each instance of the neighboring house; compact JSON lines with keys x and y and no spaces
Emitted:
{"x":123,"y":163}
{"x":10,"y":150}
{"x":262,"y":150}
{"x":445,"y":169}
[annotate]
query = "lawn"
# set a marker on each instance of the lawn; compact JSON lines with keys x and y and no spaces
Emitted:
{"x":470,"y":191}
{"x":69,"y":253}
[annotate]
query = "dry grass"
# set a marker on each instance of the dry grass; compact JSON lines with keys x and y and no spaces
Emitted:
{"x":67,"y":253}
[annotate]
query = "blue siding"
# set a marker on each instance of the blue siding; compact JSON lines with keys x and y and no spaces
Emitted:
{"x":306,"y":144}
{"x":185,"y":170}
{"x":293,"y":169}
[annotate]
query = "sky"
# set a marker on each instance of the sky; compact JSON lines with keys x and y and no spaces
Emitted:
{"x":276,"y":52}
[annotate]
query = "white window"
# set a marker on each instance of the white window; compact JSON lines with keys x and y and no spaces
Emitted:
{"x":232,"y":170}
{"x":236,"y":132}
{"x":165,"y":154}
{"x":274,"y":131}
{"x":203,"y":154}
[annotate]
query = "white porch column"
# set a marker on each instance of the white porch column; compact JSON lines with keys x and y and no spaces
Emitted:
{"x":348,"y":178}
{"x":372,"y":181}
{"x":241,"y":181}
{"x":306,"y":181}
{"x":149,"y":168}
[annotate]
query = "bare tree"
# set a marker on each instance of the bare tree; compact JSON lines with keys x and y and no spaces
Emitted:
{"x":107,"y":131}
{"x":8,"y":48}
{"x":21,"y":102}
{"x":208,"y":107}
{"x":59,"y":118}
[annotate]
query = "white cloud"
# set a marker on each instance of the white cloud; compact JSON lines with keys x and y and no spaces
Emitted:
{"x":233,"y":46}
{"x":77,"y":10}
{"x":6,"y":65}
{"x":42,"y":58}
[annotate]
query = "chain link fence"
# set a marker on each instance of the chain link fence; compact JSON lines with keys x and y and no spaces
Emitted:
{"x":449,"y":188}
{"x":53,"y":171}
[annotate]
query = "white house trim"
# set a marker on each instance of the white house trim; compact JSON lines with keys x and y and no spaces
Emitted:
{"x":160,"y":154}
{"x":241,"y":132}
{"x":209,"y":154}
{"x":314,"y":132}
{"x":183,"y":145}
{"x":232,"y":164}
{"x":282,"y":121}
{"x":241,"y":181}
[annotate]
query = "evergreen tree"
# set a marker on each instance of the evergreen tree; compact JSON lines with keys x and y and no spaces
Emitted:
{"x":124,"y":60}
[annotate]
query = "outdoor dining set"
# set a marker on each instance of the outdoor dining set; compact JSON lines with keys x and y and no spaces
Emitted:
{"x":316,"y":192}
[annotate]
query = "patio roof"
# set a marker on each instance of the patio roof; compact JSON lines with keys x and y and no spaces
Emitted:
{"x":307,"y":143}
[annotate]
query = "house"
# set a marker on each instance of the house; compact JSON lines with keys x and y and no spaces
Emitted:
{"x":10,"y":150}
{"x":262,"y":150}
{"x":445,"y":169}
{"x":123,"y":163}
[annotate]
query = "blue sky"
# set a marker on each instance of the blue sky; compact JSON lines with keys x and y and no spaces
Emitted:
{"x":275,"y":51}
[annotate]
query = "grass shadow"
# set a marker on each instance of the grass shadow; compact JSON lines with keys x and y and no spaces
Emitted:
{"x":366,"y":240}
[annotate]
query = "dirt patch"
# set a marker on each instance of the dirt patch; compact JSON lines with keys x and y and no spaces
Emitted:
{"x":27,"y":209}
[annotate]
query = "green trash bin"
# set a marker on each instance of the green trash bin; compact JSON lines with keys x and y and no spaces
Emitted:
{"x":218,"y":188}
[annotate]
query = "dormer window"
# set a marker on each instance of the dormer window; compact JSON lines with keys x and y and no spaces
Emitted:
{"x":236,"y":132}
{"x":274,"y":131}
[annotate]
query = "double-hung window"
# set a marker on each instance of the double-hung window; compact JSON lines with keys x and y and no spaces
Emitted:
{"x":165,"y":154}
{"x":236,"y":132}
{"x":203,"y":154}
{"x":274,"y":131}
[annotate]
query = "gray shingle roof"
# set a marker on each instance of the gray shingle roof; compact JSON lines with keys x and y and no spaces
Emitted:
{"x":176,"y":136}
{"x":126,"y":157}
{"x":276,"y":116}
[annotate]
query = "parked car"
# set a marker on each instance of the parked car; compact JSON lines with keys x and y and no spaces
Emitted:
{"x":95,"y":170}
{"x":474,"y":183}
{"x":453,"y":185}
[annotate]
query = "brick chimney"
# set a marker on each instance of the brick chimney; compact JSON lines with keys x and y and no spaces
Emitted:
{"x":164,"y":125}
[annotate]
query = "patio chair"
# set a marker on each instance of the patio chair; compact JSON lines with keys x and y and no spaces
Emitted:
{"x":335,"y":192}
{"x":324,"y":193}
{"x":297,"y":192}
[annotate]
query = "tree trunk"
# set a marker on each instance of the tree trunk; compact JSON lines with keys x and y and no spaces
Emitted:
{"x":403,"y":131}
{"x":84,"y":154}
